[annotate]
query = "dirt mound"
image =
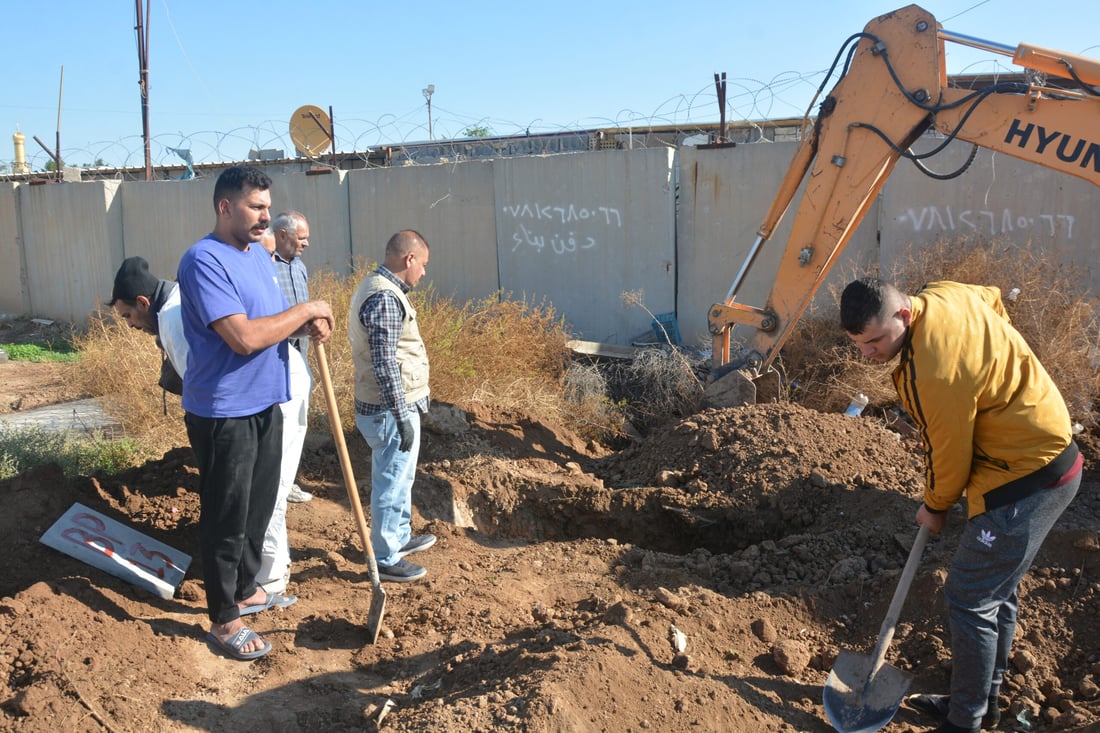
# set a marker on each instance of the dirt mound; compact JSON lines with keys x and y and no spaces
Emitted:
{"x":766,"y":538}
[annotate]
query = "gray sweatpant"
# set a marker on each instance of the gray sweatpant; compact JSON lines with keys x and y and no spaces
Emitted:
{"x":995,"y":551}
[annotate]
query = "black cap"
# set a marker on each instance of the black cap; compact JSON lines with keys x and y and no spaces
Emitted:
{"x":133,"y":279}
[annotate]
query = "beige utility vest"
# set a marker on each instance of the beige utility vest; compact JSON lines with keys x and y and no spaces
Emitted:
{"x":412,"y":357}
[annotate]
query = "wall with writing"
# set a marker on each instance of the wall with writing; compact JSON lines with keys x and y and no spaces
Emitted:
{"x":997,"y":198}
{"x":582,"y":230}
{"x":578,"y":229}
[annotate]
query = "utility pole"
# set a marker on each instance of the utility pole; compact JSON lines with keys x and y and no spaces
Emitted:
{"x":428,"y":92}
{"x":720,"y":88}
{"x":142,"y":29}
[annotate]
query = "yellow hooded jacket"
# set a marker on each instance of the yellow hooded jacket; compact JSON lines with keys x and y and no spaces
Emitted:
{"x":987,"y":411}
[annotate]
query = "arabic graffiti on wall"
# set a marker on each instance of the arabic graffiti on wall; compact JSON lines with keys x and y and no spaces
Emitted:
{"x":560,"y":228}
{"x":986,"y":221}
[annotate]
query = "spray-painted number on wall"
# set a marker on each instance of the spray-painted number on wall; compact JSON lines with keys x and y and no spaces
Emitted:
{"x":933,"y":218}
{"x":533,"y":216}
{"x":565,"y":214}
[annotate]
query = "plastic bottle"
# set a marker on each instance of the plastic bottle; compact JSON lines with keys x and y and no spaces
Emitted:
{"x":855,"y":409}
{"x":3,"y":356}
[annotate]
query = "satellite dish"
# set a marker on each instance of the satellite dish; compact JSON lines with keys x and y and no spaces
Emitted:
{"x":309,"y":130}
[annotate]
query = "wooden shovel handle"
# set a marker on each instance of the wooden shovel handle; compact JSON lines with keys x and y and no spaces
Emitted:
{"x":886,"y":633}
{"x":345,"y":463}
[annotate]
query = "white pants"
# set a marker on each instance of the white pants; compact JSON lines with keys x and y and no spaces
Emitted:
{"x":275,"y":560}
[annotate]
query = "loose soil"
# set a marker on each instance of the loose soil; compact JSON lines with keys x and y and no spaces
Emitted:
{"x":702,"y":579}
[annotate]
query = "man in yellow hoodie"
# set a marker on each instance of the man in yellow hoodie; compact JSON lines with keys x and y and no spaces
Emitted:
{"x":993,"y":425}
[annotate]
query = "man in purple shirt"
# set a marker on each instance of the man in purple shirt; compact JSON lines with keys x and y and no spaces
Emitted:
{"x":236,"y":322}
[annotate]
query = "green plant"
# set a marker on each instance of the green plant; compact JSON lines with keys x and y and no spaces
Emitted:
{"x":22,"y":448}
{"x":42,"y":352}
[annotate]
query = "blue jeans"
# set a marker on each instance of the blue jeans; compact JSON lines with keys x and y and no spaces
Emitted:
{"x":391,"y":479}
{"x":995,"y":551}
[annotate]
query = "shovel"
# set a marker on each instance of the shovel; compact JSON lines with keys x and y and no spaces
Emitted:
{"x":862,"y":694}
{"x":378,"y":596}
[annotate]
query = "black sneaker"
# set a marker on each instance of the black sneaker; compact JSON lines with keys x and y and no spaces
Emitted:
{"x":937,"y":706}
{"x":401,"y":571}
{"x":416,"y":544}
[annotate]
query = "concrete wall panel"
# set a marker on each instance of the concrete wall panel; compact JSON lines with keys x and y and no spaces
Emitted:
{"x":580,"y":230}
{"x":72,"y":235}
{"x":161,"y":219}
{"x":13,"y":291}
{"x":451,"y":205}
{"x":576,"y":229}
{"x":323,"y":199}
{"x":725,"y":193}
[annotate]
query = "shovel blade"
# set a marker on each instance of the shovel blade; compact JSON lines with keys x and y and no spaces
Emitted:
{"x":374,"y":616}
{"x":855,"y":702}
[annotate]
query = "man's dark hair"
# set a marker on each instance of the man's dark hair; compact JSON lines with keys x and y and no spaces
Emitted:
{"x":864,"y":300}
{"x":405,"y":241}
{"x":237,"y":179}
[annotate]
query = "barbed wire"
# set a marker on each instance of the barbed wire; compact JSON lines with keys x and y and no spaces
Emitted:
{"x":748,"y":100}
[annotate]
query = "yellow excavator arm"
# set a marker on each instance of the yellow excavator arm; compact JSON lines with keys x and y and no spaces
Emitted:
{"x":893,"y":90}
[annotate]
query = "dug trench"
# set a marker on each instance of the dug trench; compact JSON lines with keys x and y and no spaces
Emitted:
{"x":768,"y":537}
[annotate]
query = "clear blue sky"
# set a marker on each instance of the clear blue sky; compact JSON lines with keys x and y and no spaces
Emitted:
{"x":225,"y":76}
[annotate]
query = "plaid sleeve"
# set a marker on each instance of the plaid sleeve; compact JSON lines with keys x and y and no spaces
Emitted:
{"x":382,"y":315}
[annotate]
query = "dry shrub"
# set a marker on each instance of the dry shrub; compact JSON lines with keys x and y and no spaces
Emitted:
{"x":661,"y":385}
{"x":504,"y":353}
{"x":336,"y":290}
{"x":589,"y":406}
{"x":500,"y":352}
{"x":121,"y":365}
{"x":1053,"y":311}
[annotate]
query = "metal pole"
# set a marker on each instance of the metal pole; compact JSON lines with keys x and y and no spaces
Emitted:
{"x":720,"y":88}
{"x":142,"y":29}
{"x":332,"y":136}
{"x":428,"y":92}
{"x":57,"y":130}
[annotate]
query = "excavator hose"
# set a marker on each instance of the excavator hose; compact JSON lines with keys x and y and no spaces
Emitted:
{"x":944,"y":176}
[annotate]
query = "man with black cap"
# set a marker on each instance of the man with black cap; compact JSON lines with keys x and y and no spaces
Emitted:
{"x":145,"y":302}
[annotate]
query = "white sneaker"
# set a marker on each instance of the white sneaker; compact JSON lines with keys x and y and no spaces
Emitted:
{"x":297,"y":495}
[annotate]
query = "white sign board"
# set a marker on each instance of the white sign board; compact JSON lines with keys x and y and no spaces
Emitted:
{"x":117,"y":549}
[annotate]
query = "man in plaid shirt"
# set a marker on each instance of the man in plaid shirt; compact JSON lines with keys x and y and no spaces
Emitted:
{"x":290,"y":231}
{"x":391,"y":390}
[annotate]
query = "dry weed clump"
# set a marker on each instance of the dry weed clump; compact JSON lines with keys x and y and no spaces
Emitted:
{"x":661,"y":385}
{"x":336,"y":290}
{"x":589,"y":407}
{"x":501,"y":352}
{"x":121,"y":365}
{"x":496,"y":351}
{"x":1052,"y":309}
